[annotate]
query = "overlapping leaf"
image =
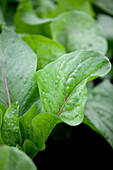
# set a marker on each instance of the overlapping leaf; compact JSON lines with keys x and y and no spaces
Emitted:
{"x":47,"y":50}
{"x":99,"y":110}
{"x":106,"y":5}
{"x":10,"y":130}
{"x":13,"y":158}
{"x":17,"y":68}
{"x":106,"y":24}
{"x":26,"y":21}
{"x":1,"y":117}
{"x":78,"y":31}
{"x":26,"y":120}
{"x":70,"y":5}
{"x":2,"y":20}
{"x":62,"y":84}
{"x":36,"y":128}
{"x":48,"y":8}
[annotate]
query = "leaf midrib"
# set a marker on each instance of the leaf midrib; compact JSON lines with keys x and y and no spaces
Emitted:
{"x":60,"y":111}
{"x":5,"y":80}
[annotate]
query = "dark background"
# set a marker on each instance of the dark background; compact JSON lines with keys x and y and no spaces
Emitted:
{"x":83,"y":149}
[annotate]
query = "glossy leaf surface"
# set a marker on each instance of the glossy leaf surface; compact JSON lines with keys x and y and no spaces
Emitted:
{"x":10,"y":130}
{"x":17,"y":70}
{"x":62,"y":83}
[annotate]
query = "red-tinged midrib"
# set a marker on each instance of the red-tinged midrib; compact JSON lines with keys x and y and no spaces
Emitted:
{"x":5,"y":81}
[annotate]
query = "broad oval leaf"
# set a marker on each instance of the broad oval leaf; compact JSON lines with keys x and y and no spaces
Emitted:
{"x":99,"y":110}
{"x":78,"y":31}
{"x":47,"y":50}
{"x":62,"y":83}
{"x":10,"y":130}
{"x":17,"y":70}
{"x":14,"y":159}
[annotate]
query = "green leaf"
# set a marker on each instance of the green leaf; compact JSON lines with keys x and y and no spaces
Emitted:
{"x":3,"y":108}
{"x":14,"y":159}
{"x":30,"y":148}
{"x":106,"y":24}
{"x":99,"y":110}
{"x":19,"y":147}
{"x":10,"y":130}
{"x":44,"y":123}
{"x":76,"y":31}
{"x":42,"y":126}
{"x":17,"y":71}
{"x":41,"y":46}
{"x":106,"y":5}
{"x":25,"y":120}
{"x":2,"y":20}
{"x":62,"y":83}
{"x":39,"y":128}
{"x":45,"y":8}
{"x":70,"y":5}
{"x":26,"y":21}
{"x":1,"y":117}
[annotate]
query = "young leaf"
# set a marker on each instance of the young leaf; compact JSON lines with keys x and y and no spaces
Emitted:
{"x":10,"y":130}
{"x":17,"y":70}
{"x":42,"y":126}
{"x":44,"y":123}
{"x":1,"y":117}
{"x":3,"y":108}
{"x":30,"y":148}
{"x":78,"y":31}
{"x":26,"y":127}
{"x":47,"y":50}
{"x":14,"y":159}
{"x":45,"y":8}
{"x":106,"y":5}
{"x":99,"y":110}
{"x":70,"y":5}
{"x":26,"y":21}
{"x":25,"y":120}
{"x":62,"y":83}
{"x":2,"y":20}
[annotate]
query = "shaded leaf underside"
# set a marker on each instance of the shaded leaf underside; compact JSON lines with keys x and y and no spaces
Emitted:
{"x":99,"y":110}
